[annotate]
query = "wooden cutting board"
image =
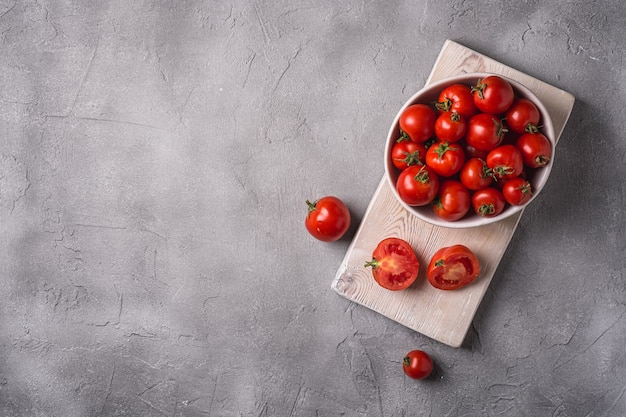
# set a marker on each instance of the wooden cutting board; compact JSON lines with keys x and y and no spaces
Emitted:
{"x":441,"y":315}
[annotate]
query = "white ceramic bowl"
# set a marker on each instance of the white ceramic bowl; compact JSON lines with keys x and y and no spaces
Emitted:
{"x":429,"y":95}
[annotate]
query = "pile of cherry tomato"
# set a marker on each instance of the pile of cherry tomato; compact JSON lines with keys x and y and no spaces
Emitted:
{"x":475,"y":148}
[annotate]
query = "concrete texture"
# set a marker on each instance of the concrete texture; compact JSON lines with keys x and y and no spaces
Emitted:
{"x":155,"y":157}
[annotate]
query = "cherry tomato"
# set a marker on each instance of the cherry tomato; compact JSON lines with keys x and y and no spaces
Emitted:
{"x":488,"y":202}
{"x":453,"y":267}
{"x":418,"y":122}
{"x":517,"y":191}
{"x":417,"y":185}
{"x":506,"y":162}
{"x":450,"y":127}
{"x":394,"y":264}
{"x":484,"y":132}
{"x":453,"y":200}
{"x":493,"y":95}
{"x":328,"y":219}
{"x":522,"y":116}
{"x":476,"y":175}
{"x":459,"y":98}
{"x":445,"y":158}
{"x":535,"y":148}
{"x":417,"y":364}
{"x":405,"y":153}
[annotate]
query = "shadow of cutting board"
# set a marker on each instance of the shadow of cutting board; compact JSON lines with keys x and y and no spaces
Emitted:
{"x":441,"y":315}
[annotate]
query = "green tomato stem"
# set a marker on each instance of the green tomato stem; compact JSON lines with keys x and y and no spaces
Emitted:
{"x":422,"y":176}
{"x":486,"y":209}
{"x":312,"y":206}
{"x":373,"y":263}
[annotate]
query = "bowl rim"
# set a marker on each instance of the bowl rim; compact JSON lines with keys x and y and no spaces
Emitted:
{"x":547,"y":128}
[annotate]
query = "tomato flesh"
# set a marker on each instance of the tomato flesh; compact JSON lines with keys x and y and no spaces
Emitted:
{"x":394,"y":264}
{"x":453,"y":267}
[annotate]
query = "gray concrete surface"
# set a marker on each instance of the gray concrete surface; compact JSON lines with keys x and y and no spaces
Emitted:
{"x":155,"y":157}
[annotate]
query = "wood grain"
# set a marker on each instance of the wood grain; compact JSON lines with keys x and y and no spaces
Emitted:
{"x":442,"y":315}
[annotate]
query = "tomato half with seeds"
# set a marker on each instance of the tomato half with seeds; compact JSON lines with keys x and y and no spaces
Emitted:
{"x":493,"y":94}
{"x":417,"y":185}
{"x":417,"y":364}
{"x":418,"y":122}
{"x":488,"y":202}
{"x":453,"y":267}
{"x":405,"y":153}
{"x":394,"y":264}
{"x":445,"y":158}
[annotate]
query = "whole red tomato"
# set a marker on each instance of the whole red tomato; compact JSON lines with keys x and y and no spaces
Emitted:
{"x":535,"y":148}
{"x":405,"y":153}
{"x":517,"y":191}
{"x":522,"y":116}
{"x":394,"y":264}
{"x":459,"y":98}
{"x":417,"y":185}
{"x":453,"y":200}
{"x":484,"y":132}
{"x":488,"y":202}
{"x":505,"y":162}
{"x":476,"y":175}
{"x":445,"y":158}
{"x":417,"y":364}
{"x":493,"y":95}
{"x":418,"y":122}
{"x":453,"y":267}
{"x":450,"y":127}
{"x":328,"y":219}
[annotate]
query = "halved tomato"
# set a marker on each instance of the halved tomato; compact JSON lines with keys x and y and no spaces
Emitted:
{"x":394,"y":264}
{"x":453,"y":267}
